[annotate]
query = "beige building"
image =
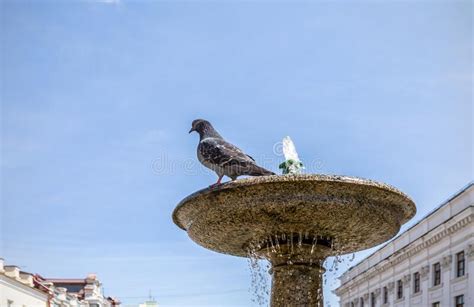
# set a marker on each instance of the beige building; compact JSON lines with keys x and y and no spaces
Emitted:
{"x":17,"y":288}
{"x":82,"y":292}
{"x":431,"y":264}
{"x":22,"y":289}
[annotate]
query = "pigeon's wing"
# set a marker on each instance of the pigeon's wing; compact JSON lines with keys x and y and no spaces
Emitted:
{"x":224,"y":154}
{"x":229,"y":159}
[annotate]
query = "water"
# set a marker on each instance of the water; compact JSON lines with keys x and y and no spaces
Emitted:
{"x":260,"y":280}
{"x":290,"y":245}
{"x":335,"y":266}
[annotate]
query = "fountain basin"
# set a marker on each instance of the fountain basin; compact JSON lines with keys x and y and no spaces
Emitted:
{"x":354,"y":213}
{"x":294,"y":221}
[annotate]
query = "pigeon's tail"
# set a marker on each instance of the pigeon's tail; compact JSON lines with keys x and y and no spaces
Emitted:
{"x":259,"y":171}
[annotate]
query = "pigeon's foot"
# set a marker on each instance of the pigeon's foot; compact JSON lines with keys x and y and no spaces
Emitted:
{"x":217,"y":183}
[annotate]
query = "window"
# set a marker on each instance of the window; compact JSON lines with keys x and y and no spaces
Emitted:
{"x":399,"y":289}
{"x":372,"y":300}
{"x":460,"y":268}
{"x":436,"y":274}
{"x":9,"y":303}
{"x":459,"y":301}
{"x":416,"y":282}
{"x":385,"y":295}
{"x":361,"y":302}
{"x":74,"y":288}
{"x":435,"y":304}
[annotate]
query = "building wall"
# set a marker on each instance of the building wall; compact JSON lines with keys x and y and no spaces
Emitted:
{"x":150,"y":303}
{"x":437,"y":238}
{"x":15,"y":294}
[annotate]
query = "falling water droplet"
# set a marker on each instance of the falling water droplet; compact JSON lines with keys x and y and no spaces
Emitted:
{"x":313,"y":246}
{"x":271,"y":244}
{"x":277,"y":244}
{"x":291,"y":242}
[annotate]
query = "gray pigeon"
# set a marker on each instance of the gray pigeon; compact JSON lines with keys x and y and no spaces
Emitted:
{"x":222,"y":157}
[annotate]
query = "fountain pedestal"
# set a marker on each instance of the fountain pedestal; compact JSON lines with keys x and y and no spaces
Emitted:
{"x":296,"y":268}
{"x":294,"y":221}
{"x":297,"y":285}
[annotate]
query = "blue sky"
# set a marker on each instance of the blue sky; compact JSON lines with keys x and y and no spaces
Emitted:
{"x":98,"y":96}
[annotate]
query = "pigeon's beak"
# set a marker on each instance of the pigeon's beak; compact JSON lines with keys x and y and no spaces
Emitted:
{"x":192,"y":129}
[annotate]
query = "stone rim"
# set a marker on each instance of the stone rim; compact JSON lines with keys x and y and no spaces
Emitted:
{"x":280,"y":178}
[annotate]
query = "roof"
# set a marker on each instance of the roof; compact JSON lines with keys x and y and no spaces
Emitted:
{"x":22,"y":278}
{"x":66,"y":280}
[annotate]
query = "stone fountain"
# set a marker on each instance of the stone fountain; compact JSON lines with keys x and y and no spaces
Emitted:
{"x":294,"y":221}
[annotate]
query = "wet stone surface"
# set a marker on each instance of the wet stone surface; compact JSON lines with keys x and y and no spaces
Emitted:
{"x":297,"y":285}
